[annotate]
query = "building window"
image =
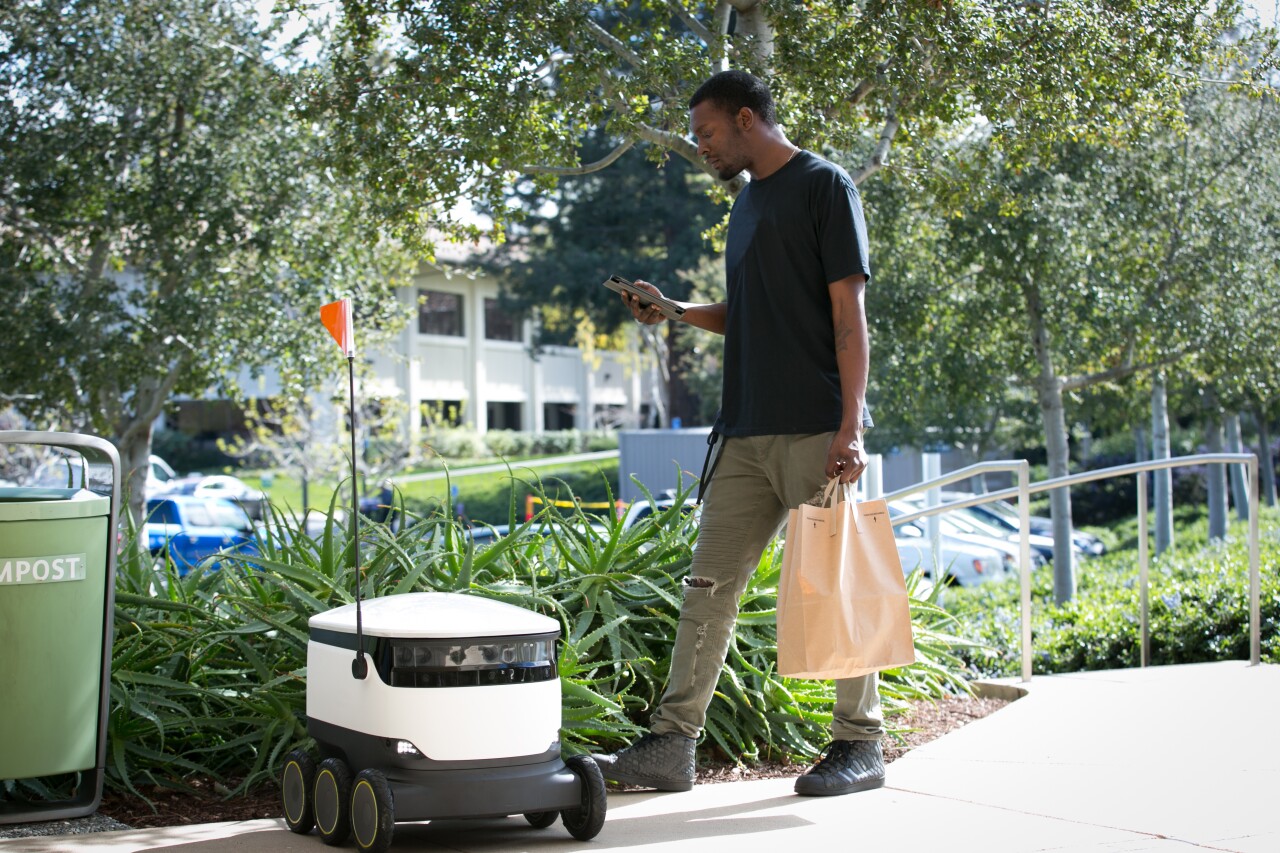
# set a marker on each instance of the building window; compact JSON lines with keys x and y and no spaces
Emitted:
{"x":440,"y":313}
{"x":557,"y":416}
{"x":609,"y":417}
{"x":498,"y":324}
{"x":504,"y":415}
{"x":441,"y":413}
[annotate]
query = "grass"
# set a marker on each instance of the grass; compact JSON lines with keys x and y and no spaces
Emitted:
{"x":486,"y":496}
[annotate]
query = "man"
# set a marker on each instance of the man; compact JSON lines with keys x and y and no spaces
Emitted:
{"x":792,"y":416}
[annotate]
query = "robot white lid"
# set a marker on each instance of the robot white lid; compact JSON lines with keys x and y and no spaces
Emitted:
{"x":434,"y":615}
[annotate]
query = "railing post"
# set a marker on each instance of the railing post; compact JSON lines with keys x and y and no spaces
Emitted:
{"x":932,"y":466}
{"x":1024,"y":561}
{"x":873,"y":477}
{"x":1024,"y":489}
{"x":1144,"y":577}
{"x":1255,"y":580}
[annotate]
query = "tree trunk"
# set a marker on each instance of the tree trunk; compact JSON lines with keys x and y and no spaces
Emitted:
{"x":1216,"y":480}
{"x":1266,"y":465}
{"x":660,"y":373}
{"x":135,"y":453}
{"x":1057,"y":443}
{"x":754,"y":27}
{"x":1160,"y":450}
{"x":1239,"y":485}
{"x":1142,"y":453}
{"x":134,"y":435}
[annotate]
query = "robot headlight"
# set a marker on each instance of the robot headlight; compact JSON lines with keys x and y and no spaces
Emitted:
{"x":407,"y":749}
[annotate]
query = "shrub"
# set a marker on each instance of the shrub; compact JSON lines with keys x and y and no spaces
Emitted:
{"x":1198,"y":609}
{"x":454,"y":443}
{"x":508,"y":444}
{"x":557,"y":443}
{"x":598,"y":440}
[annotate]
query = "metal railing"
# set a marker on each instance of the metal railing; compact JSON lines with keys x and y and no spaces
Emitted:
{"x":1023,"y":491}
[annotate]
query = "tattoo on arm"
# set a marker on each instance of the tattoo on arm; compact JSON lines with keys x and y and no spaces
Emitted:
{"x":843,"y":335}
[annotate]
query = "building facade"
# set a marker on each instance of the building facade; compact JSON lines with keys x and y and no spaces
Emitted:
{"x":463,"y":360}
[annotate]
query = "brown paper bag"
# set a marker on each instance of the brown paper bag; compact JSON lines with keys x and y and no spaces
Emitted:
{"x":842,"y":601}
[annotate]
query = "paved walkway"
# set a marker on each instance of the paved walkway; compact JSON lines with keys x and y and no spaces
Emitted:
{"x":1167,"y":759}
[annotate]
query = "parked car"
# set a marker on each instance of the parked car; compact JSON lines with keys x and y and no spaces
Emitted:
{"x":955,"y":537}
{"x":959,"y":563}
{"x":965,"y":522}
{"x":188,"y":529}
{"x":226,"y":486}
{"x":642,"y":509}
{"x":160,"y":476}
{"x":1005,"y":515}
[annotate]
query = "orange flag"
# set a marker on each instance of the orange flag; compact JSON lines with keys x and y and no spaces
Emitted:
{"x":336,"y":317}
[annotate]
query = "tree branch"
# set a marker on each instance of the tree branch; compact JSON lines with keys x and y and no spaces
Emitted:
{"x":686,"y":149}
{"x":619,"y":49}
{"x":860,"y":92}
{"x":753,"y":24}
{"x":40,"y":235}
{"x":879,"y":154}
{"x":147,"y":408}
{"x":695,"y":26}
{"x":720,"y":26}
{"x":1124,"y":371}
{"x":586,"y":168}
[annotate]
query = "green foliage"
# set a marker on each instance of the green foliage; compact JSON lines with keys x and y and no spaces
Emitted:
{"x":454,"y":442}
{"x":209,"y":669}
{"x":487,"y":499}
{"x":847,"y":76}
{"x":1199,"y":608}
{"x":165,"y":221}
{"x":510,"y":444}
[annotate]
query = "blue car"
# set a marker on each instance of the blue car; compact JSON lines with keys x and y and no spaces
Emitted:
{"x":190,"y":529}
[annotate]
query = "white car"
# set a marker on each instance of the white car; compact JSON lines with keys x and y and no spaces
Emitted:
{"x":224,"y":486}
{"x":1005,"y":514}
{"x":955,"y":538}
{"x":959,"y":563}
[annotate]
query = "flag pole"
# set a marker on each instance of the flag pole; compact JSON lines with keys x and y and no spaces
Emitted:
{"x":338,"y":318}
{"x":359,"y":666}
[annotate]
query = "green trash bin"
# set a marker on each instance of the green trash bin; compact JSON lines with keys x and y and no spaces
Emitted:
{"x":57,"y":582}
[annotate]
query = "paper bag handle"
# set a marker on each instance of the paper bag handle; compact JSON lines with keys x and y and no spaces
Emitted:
{"x":834,"y":492}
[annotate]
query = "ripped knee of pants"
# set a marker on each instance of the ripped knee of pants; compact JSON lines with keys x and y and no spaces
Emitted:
{"x":699,"y":583}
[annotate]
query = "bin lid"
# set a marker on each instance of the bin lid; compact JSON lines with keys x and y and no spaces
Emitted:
{"x":436,"y":615}
{"x":42,"y":503}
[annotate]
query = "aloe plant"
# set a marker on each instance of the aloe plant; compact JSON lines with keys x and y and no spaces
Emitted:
{"x":209,"y":670}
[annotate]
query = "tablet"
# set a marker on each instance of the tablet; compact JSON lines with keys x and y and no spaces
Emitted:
{"x":666,"y":307}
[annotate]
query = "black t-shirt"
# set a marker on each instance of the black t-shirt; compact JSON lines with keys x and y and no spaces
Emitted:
{"x":790,"y":235}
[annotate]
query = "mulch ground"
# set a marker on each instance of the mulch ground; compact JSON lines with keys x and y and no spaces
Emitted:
{"x":206,"y":802}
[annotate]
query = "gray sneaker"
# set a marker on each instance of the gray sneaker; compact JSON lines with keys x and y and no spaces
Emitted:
{"x":664,"y":762}
{"x":847,"y":767}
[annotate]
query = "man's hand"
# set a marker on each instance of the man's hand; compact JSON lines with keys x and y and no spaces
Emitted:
{"x":846,"y":458}
{"x":647,"y":314}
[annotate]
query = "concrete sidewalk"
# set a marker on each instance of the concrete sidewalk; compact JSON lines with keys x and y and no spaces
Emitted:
{"x":1164,"y":759}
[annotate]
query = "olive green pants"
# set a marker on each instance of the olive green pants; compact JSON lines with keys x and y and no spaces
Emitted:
{"x":756,"y":481}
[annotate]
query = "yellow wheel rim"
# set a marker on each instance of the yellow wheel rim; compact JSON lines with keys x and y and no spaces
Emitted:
{"x":326,"y":777}
{"x":364,"y":786}
{"x":293,"y":778}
